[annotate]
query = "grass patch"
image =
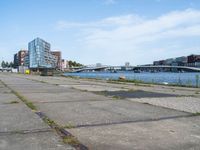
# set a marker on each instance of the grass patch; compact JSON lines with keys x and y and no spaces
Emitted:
{"x":197,"y":92}
{"x":135,"y":82}
{"x":84,"y":90}
{"x":67,"y":139}
{"x":69,"y":126}
{"x":49,"y":121}
{"x":23,"y":99}
{"x":114,"y":81}
{"x":148,"y":84}
{"x":71,"y":140}
{"x":196,"y":114}
{"x":116,"y":97}
{"x":13,"y":102}
{"x":31,"y":105}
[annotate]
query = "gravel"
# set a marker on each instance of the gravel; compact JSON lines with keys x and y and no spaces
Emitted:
{"x":186,"y":104}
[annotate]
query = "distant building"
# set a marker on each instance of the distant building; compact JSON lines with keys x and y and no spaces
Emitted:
{"x":58,"y":55}
{"x":26,"y":60}
{"x":21,"y":57}
{"x":64,"y":64}
{"x":127,"y":64}
{"x":98,"y":65}
{"x":168,"y":62}
{"x":16,"y":60}
{"x":193,"y":60}
{"x":40,"y":56}
{"x":156,"y":63}
{"x":181,"y":61}
{"x":159,"y":63}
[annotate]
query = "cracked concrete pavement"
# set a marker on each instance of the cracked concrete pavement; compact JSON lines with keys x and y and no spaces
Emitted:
{"x":21,"y":128}
{"x":96,"y":120}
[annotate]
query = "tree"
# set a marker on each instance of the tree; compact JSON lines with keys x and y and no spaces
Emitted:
{"x":7,"y":64}
{"x":11,"y":64}
{"x":74,"y":64}
{"x":3,"y":64}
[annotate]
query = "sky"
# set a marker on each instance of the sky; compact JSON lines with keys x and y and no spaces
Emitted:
{"x":110,"y":32}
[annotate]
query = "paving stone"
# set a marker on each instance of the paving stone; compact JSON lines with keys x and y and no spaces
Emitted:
{"x":172,"y":134}
{"x":16,"y":117}
{"x":187,"y":104}
{"x":33,"y":141}
{"x":104,"y":112}
{"x":8,"y":98}
{"x":65,"y":97}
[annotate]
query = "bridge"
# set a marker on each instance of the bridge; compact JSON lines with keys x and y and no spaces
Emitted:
{"x":89,"y":68}
{"x":5,"y":69}
{"x":133,"y":68}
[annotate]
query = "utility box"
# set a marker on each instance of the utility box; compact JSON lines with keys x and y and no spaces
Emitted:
{"x":27,"y":71}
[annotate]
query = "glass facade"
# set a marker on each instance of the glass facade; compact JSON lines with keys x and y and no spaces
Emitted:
{"x":26,"y":60}
{"x":16,"y":60}
{"x":40,"y":55}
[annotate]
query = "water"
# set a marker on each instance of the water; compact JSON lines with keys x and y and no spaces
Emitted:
{"x":188,"y":79}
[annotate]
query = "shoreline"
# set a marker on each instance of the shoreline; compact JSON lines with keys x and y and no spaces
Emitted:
{"x":134,"y":81}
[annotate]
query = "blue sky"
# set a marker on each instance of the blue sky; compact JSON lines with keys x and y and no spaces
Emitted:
{"x":103,"y":31}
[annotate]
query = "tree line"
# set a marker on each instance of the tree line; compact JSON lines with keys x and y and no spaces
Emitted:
{"x":74,"y":64}
{"x":6,"y":64}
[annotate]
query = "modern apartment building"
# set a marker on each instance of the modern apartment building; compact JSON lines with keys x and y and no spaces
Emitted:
{"x":40,"y":56}
{"x":58,"y":55}
{"x":21,"y":57}
{"x":26,"y":60}
{"x":192,"y":61}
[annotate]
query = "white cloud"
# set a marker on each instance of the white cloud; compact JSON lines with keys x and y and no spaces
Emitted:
{"x":133,"y":38}
{"x":104,"y":23}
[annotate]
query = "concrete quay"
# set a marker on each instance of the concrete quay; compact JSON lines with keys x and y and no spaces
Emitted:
{"x":100,"y":115}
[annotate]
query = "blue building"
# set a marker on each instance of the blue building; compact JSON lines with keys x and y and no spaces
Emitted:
{"x":40,"y":56}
